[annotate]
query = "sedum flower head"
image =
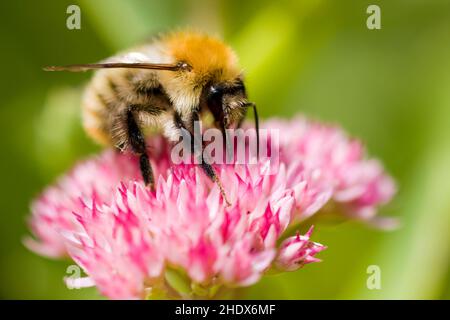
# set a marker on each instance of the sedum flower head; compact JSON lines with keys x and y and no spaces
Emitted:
{"x":182,"y":240}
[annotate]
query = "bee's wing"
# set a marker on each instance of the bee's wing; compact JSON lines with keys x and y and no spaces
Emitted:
{"x":128,"y":65}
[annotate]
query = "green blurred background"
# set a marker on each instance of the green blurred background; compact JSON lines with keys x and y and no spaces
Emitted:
{"x":390,"y":87}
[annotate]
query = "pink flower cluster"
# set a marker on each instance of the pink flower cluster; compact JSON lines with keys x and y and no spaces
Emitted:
{"x":129,"y":240}
{"x":337,"y":162}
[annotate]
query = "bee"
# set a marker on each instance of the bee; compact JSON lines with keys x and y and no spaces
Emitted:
{"x":167,"y":85}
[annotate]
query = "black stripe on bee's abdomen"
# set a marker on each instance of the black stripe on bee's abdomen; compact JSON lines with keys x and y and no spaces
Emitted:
{"x":144,"y":86}
{"x":156,"y":99}
{"x":149,"y":91}
{"x":151,"y":110}
{"x":113,"y":86}
{"x":107,"y":104}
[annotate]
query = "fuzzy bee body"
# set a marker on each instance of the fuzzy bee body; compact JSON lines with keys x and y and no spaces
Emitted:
{"x":165,"y":85}
{"x":109,"y":97}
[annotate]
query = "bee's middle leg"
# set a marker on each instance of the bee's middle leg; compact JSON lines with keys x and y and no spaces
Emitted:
{"x":136,"y":141}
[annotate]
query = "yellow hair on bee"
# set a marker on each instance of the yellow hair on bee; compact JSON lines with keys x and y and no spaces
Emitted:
{"x":207,"y":55}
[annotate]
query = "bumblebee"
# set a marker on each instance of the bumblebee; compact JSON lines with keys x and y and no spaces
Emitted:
{"x":166,"y":85}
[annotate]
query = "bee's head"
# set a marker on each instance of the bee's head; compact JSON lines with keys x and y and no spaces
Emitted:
{"x":227,"y":101}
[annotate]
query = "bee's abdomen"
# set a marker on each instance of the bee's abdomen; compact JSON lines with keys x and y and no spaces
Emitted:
{"x":97,"y":104}
{"x":110,"y":94}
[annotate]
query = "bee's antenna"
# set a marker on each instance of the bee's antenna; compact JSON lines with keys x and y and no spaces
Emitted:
{"x":113,"y":65}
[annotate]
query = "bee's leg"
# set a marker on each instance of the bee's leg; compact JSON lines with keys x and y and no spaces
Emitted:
{"x":204,"y":163}
{"x":211,"y":173}
{"x":137,"y":142}
{"x":226,"y":140}
{"x":241,"y":121}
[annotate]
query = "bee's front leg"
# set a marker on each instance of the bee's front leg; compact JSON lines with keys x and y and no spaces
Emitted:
{"x":204,"y":163}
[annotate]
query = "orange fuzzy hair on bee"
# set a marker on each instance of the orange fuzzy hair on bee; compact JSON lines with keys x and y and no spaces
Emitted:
{"x":206,"y":55}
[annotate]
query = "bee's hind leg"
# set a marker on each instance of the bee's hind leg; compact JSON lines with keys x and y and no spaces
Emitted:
{"x":136,"y":141}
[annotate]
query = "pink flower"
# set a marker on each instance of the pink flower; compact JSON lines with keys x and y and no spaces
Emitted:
{"x":52,"y":212}
{"x":334,"y":160}
{"x":182,"y":240}
{"x":297,"y":251}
